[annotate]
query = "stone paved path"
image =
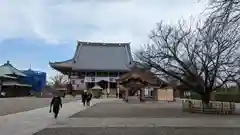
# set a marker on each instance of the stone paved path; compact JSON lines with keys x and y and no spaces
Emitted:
{"x":29,"y":122}
{"x":140,"y":131}
{"x":8,"y":105}
{"x":118,"y":118}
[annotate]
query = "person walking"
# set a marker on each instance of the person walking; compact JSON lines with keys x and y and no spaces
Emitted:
{"x":89,"y":98}
{"x":56,"y":103}
{"x":84,"y":97}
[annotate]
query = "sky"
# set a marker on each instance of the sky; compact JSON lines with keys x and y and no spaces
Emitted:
{"x":34,"y":32}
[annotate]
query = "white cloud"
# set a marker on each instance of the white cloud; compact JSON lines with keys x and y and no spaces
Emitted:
{"x":98,"y":20}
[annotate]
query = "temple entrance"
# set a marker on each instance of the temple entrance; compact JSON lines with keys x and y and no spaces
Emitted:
{"x":90,"y":85}
{"x":103,"y":84}
{"x":133,"y":91}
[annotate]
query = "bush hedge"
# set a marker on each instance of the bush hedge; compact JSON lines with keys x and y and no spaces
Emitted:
{"x":227,"y":97}
{"x":223,"y":96}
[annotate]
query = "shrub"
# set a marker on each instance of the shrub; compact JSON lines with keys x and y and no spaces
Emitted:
{"x":195,"y":96}
{"x":227,"y":97}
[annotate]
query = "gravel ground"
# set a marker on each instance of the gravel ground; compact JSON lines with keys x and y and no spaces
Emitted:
{"x":147,"y":110}
{"x":15,"y":105}
{"x":140,"y":131}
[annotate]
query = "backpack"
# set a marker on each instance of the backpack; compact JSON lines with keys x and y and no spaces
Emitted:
{"x":56,"y":101}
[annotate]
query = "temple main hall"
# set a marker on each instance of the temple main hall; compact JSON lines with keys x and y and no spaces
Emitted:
{"x":96,"y":65}
{"x":109,"y":69}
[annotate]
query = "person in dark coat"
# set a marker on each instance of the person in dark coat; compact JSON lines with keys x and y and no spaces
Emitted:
{"x":84,"y":97}
{"x":89,"y":97}
{"x":56,"y":103}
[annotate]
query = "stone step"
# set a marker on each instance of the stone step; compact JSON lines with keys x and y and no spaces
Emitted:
{"x":133,"y":100}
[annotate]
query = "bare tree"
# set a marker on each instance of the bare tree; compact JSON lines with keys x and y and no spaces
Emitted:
{"x":225,"y":11}
{"x":203,"y":59}
{"x":59,"y":81}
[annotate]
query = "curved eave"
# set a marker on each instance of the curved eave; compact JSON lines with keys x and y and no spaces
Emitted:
{"x":14,"y":75}
{"x":15,"y":84}
{"x":6,"y":77}
{"x":182,"y":87}
{"x":151,"y":80}
{"x":61,"y":65}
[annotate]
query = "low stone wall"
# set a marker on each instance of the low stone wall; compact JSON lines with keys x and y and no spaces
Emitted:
{"x":214,"y":107}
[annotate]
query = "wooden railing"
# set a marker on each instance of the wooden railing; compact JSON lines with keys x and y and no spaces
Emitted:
{"x":214,"y":107}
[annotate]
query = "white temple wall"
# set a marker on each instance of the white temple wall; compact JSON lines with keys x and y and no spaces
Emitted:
{"x":80,"y":83}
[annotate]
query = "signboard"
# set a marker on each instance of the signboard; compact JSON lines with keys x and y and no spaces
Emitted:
{"x":165,"y":95}
{"x":187,"y":93}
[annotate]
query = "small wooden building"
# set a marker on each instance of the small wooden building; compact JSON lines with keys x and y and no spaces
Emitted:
{"x":10,"y":85}
{"x":140,"y":77}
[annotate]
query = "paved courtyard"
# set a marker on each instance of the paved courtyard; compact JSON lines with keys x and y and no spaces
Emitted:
{"x":144,"y":110}
{"x":118,"y":118}
{"x":32,"y":121}
{"x":141,"y":131}
{"x":15,"y":105}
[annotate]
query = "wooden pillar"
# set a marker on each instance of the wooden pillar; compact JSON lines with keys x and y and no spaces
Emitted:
{"x":126,"y":94}
{"x":95,"y":75}
{"x":85,"y":82}
{"x":118,"y":89}
{"x":1,"y":92}
{"x":118,"y":86}
{"x":141,"y":95}
{"x":108,"y":85}
{"x":108,"y":89}
{"x":68,"y":89}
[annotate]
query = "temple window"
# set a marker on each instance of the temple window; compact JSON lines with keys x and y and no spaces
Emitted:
{"x":113,"y":85}
{"x":74,"y":73}
{"x":81,"y":74}
{"x":90,"y":73}
{"x":121,"y":73}
{"x":113,"y":74}
{"x":73,"y":82}
{"x":102,"y":74}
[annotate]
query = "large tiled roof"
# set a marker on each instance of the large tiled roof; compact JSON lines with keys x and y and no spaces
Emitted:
{"x":99,"y":56}
{"x":140,"y":71}
{"x":7,"y":69}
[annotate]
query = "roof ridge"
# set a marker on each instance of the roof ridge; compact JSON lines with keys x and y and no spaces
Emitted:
{"x":123,"y":48}
{"x":103,"y":43}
